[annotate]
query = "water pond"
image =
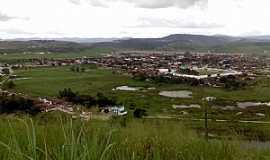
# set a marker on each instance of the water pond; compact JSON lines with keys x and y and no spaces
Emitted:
{"x":126,"y":88}
{"x":176,"y":94}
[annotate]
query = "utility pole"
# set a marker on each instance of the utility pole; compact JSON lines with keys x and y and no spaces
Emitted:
{"x":206,"y":120}
{"x":206,"y":101}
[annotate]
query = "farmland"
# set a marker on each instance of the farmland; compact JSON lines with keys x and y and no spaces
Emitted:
{"x":46,"y":82}
{"x":95,"y":80}
{"x":27,"y":56}
{"x":172,"y":107}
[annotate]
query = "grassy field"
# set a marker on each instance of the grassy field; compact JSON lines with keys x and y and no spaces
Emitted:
{"x":20,"y":57}
{"x":54,"y":137}
{"x":48,"y":81}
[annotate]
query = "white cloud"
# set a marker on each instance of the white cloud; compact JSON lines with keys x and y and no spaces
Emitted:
{"x":152,"y":4}
{"x":16,"y":31}
{"x":75,"y":1}
{"x":4,"y":17}
{"x":131,"y":18}
{"x":174,"y":23}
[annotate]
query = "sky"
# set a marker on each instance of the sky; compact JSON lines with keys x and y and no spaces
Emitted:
{"x":132,"y":18}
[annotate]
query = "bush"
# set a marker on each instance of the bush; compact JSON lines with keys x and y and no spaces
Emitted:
{"x":9,"y":85}
{"x":14,"y":104}
{"x":139,"y":113}
{"x":104,"y":101}
{"x":86,"y":100}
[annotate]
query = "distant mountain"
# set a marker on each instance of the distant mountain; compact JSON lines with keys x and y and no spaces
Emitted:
{"x":41,"y":45}
{"x":72,"y":39}
{"x":172,"y":40}
{"x":264,"y":38}
{"x":215,"y":43}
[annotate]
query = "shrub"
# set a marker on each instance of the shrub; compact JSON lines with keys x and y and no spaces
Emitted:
{"x":139,"y":113}
{"x":12,"y":104}
{"x":9,"y":85}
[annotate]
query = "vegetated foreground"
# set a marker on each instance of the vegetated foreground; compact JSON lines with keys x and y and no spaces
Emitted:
{"x":57,"y":137}
{"x":47,"y":82}
{"x":52,"y":137}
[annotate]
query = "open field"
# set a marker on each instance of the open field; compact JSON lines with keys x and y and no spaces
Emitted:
{"x":48,"y":81}
{"x":165,"y":133}
{"x":20,"y":57}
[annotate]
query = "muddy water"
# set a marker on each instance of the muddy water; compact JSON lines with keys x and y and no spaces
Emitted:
{"x":244,"y":105}
{"x":186,"y":106}
{"x":176,"y":94}
{"x":126,"y":88}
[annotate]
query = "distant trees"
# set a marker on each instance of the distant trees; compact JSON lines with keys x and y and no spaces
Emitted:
{"x":139,"y":113}
{"x":8,"y":85}
{"x":68,"y":94}
{"x":188,"y":71}
{"x":12,"y":104}
{"x":102,"y":100}
{"x":231,"y":82}
{"x":140,"y":76}
{"x":77,"y":69}
{"x":86,"y":100}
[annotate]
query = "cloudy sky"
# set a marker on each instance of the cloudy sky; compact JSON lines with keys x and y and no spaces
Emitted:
{"x":132,"y":18}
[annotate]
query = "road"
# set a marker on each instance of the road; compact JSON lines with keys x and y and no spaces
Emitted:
{"x":216,"y":120}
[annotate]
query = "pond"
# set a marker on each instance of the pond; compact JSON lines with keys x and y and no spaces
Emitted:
{"x":176,"y":94}
{"x":126,"y":88}
{"x":244,"y":105}
{"x":25,"y":78}
{"x":186,"y":106}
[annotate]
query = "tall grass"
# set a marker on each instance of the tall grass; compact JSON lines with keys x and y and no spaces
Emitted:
{"x":67,"y":139}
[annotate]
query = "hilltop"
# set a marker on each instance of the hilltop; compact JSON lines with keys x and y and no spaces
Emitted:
{"x":184,"y":42}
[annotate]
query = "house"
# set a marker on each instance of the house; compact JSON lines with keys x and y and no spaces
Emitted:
{"x":6,"y":70}
{"x":118,"y":111}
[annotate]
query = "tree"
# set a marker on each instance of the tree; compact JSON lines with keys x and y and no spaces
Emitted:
{"x":83,"y":69}
{"x":73,"y":68}
{"x":139,"y":113}
{"x":11,"y":104}
{"x":77,"y":69}
{"x":68,"y":94}
{"x":9,"y":85}
{"x":103,"y":101}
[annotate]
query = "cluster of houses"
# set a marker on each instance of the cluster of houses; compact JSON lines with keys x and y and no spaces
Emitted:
{"x":210,"y":69}
{"x":48,"y":105}
{"x":180,"y":66}
{"x":6,"y":70}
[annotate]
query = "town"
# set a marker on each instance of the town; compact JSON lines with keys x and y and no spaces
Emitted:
{"x":216,"y":69}
{"x":134,"y":80}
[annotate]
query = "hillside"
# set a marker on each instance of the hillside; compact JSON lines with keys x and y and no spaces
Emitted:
{"x":202,"y":43}
{"x":41,"y":45}
{"x":177,"y":39}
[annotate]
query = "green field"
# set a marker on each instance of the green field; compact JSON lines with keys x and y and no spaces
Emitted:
{"x":21,"y":57}
{"x":47,"y":82}
{"x":57,"y":136}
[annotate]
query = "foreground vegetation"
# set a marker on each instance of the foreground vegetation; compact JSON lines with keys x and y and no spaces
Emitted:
{"x":61,"y":138}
